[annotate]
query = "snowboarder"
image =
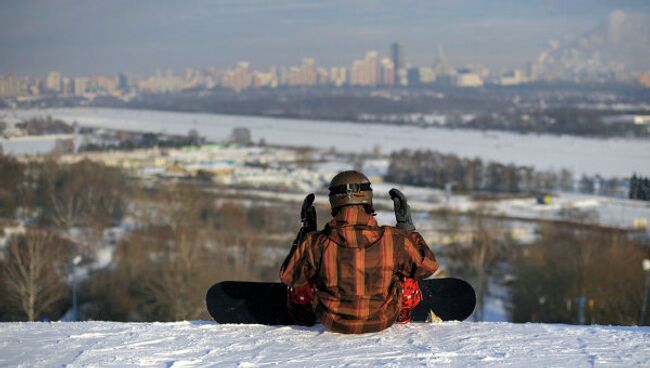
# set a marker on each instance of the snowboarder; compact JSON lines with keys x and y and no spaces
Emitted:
{"x":355,"y":276}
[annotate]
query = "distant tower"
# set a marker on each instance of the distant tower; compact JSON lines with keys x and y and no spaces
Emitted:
{"x":122,"y":82}
{"x":440,"y":66}
{"x":397,"y":56}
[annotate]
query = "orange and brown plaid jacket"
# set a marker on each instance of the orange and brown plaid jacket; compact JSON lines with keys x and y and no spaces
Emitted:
{"x":355,"y":267}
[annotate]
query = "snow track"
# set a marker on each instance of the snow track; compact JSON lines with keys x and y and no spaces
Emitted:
{"x":206,"y":344}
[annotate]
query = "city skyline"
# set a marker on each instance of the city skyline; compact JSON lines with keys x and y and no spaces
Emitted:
{"x":80,"y":38}
{"x":372,"y":70}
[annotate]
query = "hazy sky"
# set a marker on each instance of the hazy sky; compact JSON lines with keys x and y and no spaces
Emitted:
{"x":91,"y":36}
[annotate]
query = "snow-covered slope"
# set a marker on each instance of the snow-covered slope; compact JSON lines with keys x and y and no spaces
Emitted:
{"x":183,"y":344}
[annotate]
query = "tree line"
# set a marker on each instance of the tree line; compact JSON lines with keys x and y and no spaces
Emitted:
{"x":45,"y":125}
{"x":558,"y":120}
{"x":639,"y":188}
{"x":438,"y":170}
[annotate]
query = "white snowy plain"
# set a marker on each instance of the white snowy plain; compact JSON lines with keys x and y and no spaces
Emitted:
{"x":207,"y":344}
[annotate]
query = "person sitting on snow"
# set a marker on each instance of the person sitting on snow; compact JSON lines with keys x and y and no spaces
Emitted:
{"x":355,"y":276}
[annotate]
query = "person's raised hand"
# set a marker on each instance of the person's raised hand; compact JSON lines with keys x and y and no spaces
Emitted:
{"x":402,"y":210}
{"x":308,"y":213}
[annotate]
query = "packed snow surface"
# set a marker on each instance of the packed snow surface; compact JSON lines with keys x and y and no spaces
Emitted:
{"x":608,"y":157}
{"x":207,"y":344}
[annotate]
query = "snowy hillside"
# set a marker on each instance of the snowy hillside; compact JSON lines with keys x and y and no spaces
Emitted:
{"x":184,"y":344}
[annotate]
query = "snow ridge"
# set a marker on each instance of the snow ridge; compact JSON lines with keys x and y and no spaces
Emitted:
{"x":207,"y":344}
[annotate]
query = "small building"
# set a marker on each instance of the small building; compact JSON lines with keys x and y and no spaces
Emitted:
{"x":544,"y":199}
{"x":176,"y":171}
{"x":468,"y":79}
{"x":627,"y":119}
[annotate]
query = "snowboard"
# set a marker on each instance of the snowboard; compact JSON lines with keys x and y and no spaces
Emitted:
{"x":240,"y":302}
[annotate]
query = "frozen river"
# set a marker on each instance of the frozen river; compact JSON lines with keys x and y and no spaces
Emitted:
{"x":607,"y":157}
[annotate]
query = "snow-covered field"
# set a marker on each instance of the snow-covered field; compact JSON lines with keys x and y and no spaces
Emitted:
{"x":607,"y":157}
{"x":207,"y":344}
{"x":31,"y":144}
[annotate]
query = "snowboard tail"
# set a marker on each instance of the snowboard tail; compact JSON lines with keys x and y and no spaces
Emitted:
{"x":446,"y":299}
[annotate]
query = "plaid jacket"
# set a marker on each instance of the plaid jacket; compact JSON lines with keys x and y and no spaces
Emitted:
{"x":355,"y":267}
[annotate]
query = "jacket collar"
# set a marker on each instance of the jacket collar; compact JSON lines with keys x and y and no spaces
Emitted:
{"x":352,"y":227}
{"x":352,"y":215}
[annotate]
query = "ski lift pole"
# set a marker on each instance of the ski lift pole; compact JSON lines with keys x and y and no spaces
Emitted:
{"x":75,"y":262}
{"x":74,"y":300}
{"x":646,"y":268}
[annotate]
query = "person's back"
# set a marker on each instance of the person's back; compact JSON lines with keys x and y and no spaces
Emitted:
{"x":359,"y":271}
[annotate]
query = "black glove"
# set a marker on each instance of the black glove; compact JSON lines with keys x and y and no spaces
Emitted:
{"x":308,"y":219}
{"x":308,"y":213}
{"x":402,"y":210}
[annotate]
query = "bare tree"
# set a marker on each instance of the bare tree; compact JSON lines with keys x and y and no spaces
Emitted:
{"x":64,"y":195}
{"x":179,"y":261}
{"x":571,"y":261}
{"x":34,"y":273}
{"x":84,"y":193}
{"x":476,"y":258}
{"x":186,"y":241}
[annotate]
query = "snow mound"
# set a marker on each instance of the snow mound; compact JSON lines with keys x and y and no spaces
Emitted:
{"x":205,"y":344}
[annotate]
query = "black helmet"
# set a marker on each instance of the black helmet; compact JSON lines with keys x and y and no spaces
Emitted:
{"x":350,"y":187}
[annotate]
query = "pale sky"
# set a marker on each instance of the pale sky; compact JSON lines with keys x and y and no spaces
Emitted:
{"x":81,"y":37}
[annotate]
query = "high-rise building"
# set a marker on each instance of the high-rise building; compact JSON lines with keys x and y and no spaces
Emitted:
{"x":387,"y":72}
{"x":267,"y":79}
{"x":242,"y":76}
{"x":122,"y":82}
{"x":397,"y":56}
{"x":512,"y":78}
{"x":310,"y":76}
{"x":105,"y":83}
{"x":283,"y":75}
{"x":468,"y":78}
{"x":53,"y":82}
{"x":338,"y":76}
{"x":440,"y":66}
{"x":355,"y":72}
{"x":323,"y":77}
{"x":80,"y":86}
{"x":413,"y":76}
{"x":364,"y":72}
{"x":420,"y":75}
{"x":371,"y":68}
{"x":12,"y":86}
{"x":67,"y":85}
{"x":401,"y":77}
{"x":160,"y":82}
{"x":238,"y":79}
{"x":303,"y":75}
